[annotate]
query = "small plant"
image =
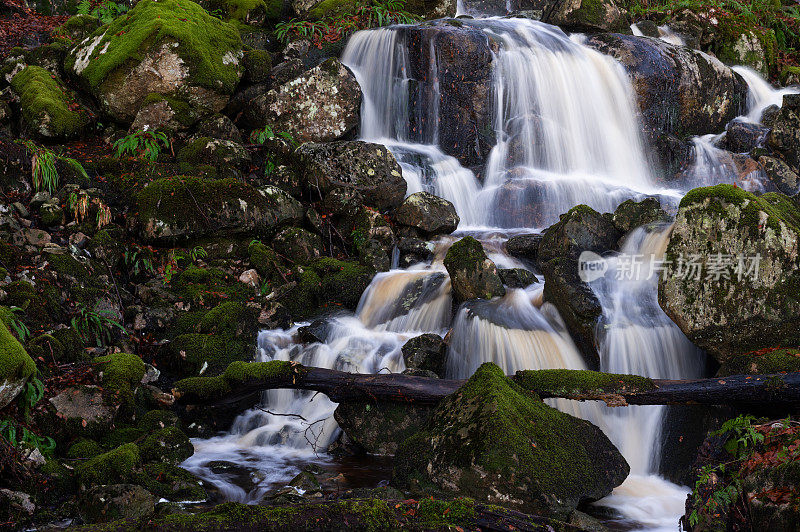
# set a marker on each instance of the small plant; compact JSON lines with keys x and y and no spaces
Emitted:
{"x":43,"y":167}
{"x":34,"y":391}
{"x":137,"y":263}
{"x":93,"y":326}
{"x":197,"y":253}
{"x":142,"y":145}
{"x":105,"y":11}
{"x":16,"y":324}
{"x":24,"y":437}
{"x":260,"y":136}
{"x":284,"y":31}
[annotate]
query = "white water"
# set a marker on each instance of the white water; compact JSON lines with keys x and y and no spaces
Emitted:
{"x":565,"y":120}
{"x":760,"y":94}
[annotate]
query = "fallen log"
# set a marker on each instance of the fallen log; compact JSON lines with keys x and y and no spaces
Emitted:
{"x":243,"y":378}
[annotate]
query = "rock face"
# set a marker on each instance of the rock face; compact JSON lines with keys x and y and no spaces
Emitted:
{"x":500,"y":445}
{"x":462,"y":65}
{"x":632,"y":214}
{"x":363,"y":167}
{"x":378,"y":428}
{"x":784,"y":138}
{"x":472,"y":274}
{"x":675,"y":85}
{"x":427,"y":213}
{"x":432,"y":9}
{"x":169,"y":47}
{"x":726,"y":308}
{"x":178,"y":208}
{"x":580,"y":229}
{"x":320,"y":105}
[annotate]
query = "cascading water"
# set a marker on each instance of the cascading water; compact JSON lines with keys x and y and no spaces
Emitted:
{"x":564,"y":117}
{"x":760,"y":94}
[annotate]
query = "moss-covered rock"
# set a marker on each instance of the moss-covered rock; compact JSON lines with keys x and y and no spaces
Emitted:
{"x":495,"y":442}
{"x":561,"y":382}
{"x":84,"y":449}
{"x":326,"y":284}
{"x":763,"y":361}
{"x":16,"y":367}
{"x":170,"y":47}
{"x":164,"y":113}
{"x":82,"y":411}
{"x":297,"y":245}
{"x":209,"y":389}
{"x":219,"y":153}
{"x":426,"y":352}
{"x":379,"y":427}
{"x":632,"y":214}
{"x":49,"y":110}
{"x":189,"y":354}
{"x":172,"y":483}
{"x":168,"y":445}
{"x":729,"y":306}
{"x":75,"y":29}
{"x":121,"y":372}
{"x":120,"y":465}
{"x":257,"y":66}
{"x":427,"y":213}
{"x":102,"y":504}
{"x":472,"y":274}
{"x":587,"y":15}
{"x":181,"y":208}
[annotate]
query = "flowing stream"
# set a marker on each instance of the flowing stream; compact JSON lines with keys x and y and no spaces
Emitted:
{"x":565,"y":120}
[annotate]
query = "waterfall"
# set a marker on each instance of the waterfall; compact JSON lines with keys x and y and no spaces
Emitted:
{"x":760,"y":94}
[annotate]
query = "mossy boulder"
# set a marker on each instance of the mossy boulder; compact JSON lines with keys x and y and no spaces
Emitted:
{"x":297,"y":245}
{"x":587,"y":16}
{"x":324,"y":285}
{"x":102,"y":504}
{"x":320,"y":105}
{"x":355,"y":166}
{"x":49,"y":109}
{"x":172,"y":483}
{"x":75,"y":29}
{"x":632,"y":214}
{"x":763,"y":361}
{"x":16,"y":367}
{"x":208,"y":389}
{"x":181,"y":208}
{"x":190,"y":354}
{"x":122,"y":373}
{"x":744,"y":291}
{"x":426,"y":352}
{"x":472,"y":274}
{"x":579,"y":229}
{"x":84,"y":449}
{"x":170,"y":47}
{"x":121,"y":465}
{"x":219,"y":153}
{"x":428,"y":214}
{"x":168,"y":445}
{"x":495,"y":442}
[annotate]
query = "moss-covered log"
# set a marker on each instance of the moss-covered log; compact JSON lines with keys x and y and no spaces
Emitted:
{"x":243,"y":378}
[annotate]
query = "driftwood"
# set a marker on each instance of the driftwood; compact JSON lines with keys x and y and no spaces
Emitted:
{"x":615,"y":390}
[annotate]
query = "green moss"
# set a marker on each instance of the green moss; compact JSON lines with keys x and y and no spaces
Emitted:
{"x":464,"y":253}
{"x":46,"y":105}
{"x":326,"y":283}
{"x":190,"y":353}
{"x":225,"y":319}
{"x":14,"y":360}
{"x":172,"y":483}
{"x":122,"y":372}
{"x":121,"y":436}
{"x":266,"y":262}
{"x":437,"y":513}
{"x":48,"y":347}
{"x":84,"y":449}
{"x":114,"y":467}
{"x":332,"y":9}
{"x":72,"y":343}
{"x":185,"y":114}
{"x":203,"y":42}
{"x":765,"y":361}
{"x":168,"y":445}
{"x":549,"y":382}
{"x":201,"y":389}
{"x":66,"y":264}
{"x":257,"y":64}
{"x":207,"y":389}
{"x":239,"y":9}
{"x":157,"y":419}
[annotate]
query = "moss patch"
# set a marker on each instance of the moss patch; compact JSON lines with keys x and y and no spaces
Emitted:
{"x":764,"y":361}
{"x":122,"y":372}
{"x":14,"y":360}
{"x":207,"y":389}
{"x":113,"y":467}
{"x":47,"y":107}
{"x":575,"y":382}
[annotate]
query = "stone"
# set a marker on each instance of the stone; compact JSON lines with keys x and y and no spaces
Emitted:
{"x":517,"y":277}
{"x":781,"y":174}
{"x":472,"y":274}
{"x":320,"y":105}
{"x":363,"y":167}
{"x":287,"y":209}
{"x":743,"y":137}
{"x":737,"y":312}
{"x":379,"y":427}
{"x":158,"y":113}
{"x":250,"y":278}
{"x":169,"y":47}
{"x":632,"y":214}
{"x":498,"y":444}
{"x":426,"y":352}
{"x":103,"y":504}
{"x":587,"y":16}
{"x":525,"y":247}
{"x":219,"y":153}
{"x":784,"y":137}
{"x":579,"y":229}
{"x":427,"y":213}
{"x":84,"y":409}
{"x":16,"y":366}
{"x":297,"y":245}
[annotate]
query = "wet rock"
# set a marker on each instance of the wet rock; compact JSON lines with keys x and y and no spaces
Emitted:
{"x":673,"y":84}
{"x":325,"y":284}
{"x":743,"y":137}
{"x":579,"y":229}
{"x":763,"y":361}
{"x":587,"y":16}
{"x":432,"y":9}
{"x":366,"y":168}
{"x":320,"y":105}
{"x":724,"y":306}
{"x":158,"y":48}
{"x":250,"y":278}
{"x":780,"y":174}
{"x":500,"y":445}
{"x":632,"y":214}
{"x":525,"y":247}
{"x":379,"y":427}
{"x":576,"y":303}
{"x":168,"y":445}
{"x":414,"y":250}
{"x":218,"y":153}
{"x":462,"y":66}
{"x":15,"y":506}
{"x":288,"y":211}
{"x":426,"y":352}
{"x":517,"y":277}
{"x":472,"y":274}
{"x":748,"y":49}
{"x":297,"y":244}
{"x":784,"y":137}
{"x":373,"y":255}
{"x":103,"y":504}
{"x":427,"y":213}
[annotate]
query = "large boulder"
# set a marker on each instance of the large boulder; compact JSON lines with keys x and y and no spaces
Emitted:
{"x":363,"y":167}
{"x":83,"y":410}
{"x":169,"y":47}
{"x":16,"y":367}
{"x":492,"y":441}
{"x":102,"y":504}
{"x":732,"y":277}
{"x":473,"y":275}
{"x":49,"y":109}
{"x":426,"y":352}
{"x":378,"y":427}
{"x":674,"y":84}
{"x":586,"y":15}
{"x":579,"y":229}
{"x":632,"y":214}
{"x":320,"y":105}
{"x":428,"y":214}
{"x":180,"y":208}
